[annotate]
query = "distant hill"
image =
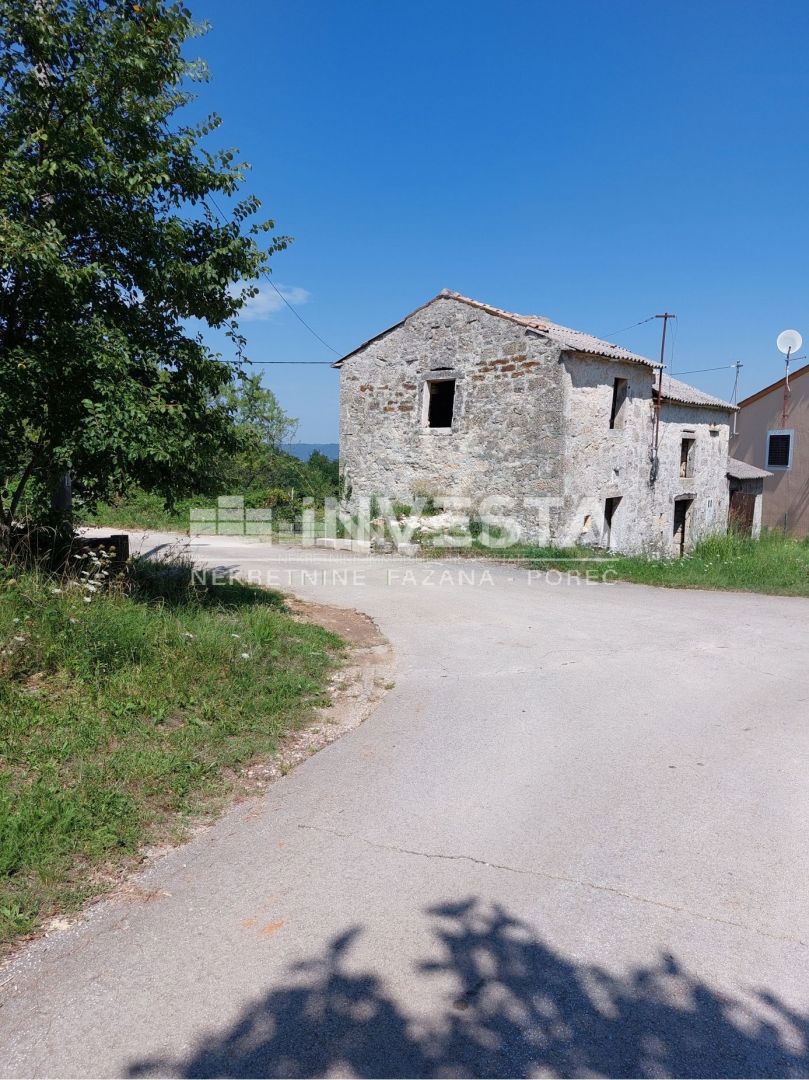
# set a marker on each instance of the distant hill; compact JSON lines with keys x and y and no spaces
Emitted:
{"x":303,"y":450}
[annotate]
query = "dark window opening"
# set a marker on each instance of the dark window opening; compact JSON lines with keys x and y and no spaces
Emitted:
{"x":440,"y":403}
{"x":687,"y":457}
{"x":610,"y":506}
{"x":619,"y":392}
{"x":779,"y":450}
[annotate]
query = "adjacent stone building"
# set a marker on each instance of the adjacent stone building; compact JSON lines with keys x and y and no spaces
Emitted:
{"x":568,"y":435}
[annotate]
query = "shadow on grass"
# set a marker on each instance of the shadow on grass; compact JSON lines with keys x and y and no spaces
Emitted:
{"x":519,"y":1008}
{"x":171,"y":579}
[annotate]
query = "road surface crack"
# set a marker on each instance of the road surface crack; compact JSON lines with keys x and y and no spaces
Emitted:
{"x":562,"y":878}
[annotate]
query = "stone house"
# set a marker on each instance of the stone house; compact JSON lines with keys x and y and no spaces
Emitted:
{"x":562,"y":433}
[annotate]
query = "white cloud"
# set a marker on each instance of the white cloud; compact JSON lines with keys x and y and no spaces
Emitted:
{"x":267,"y":301}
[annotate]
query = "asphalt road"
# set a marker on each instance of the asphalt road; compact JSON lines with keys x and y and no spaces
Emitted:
{"x":572,"y":840}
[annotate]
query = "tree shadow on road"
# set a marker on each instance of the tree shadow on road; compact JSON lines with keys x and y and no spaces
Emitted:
{"x":519,"y":1009}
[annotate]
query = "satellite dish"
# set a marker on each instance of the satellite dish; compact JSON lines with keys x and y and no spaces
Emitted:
{"x":789,"y":341}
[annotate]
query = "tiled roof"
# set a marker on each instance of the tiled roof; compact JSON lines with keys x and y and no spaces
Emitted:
{"x":740,"y":470}
{"x":674,"y":390}
{"x":573,"y":340}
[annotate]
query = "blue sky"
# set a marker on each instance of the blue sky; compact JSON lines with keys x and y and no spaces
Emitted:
{"x":595,"y":162}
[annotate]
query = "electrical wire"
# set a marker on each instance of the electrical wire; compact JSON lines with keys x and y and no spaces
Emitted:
{"x":272,"y":285}
{"x":615,"y":333}
{"x":699,"y":371}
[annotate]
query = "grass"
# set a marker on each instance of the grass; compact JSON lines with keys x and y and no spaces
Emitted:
{"x":772,"y":564}
{"x":123,"y":717}
{"x":140,"y":510}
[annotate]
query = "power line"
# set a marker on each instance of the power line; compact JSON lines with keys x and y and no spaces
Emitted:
{"x":298,"y":315}
{"x":272,"y":284}
{"x":614,"y":333}
{"x":700,"y":371}
{"x":305,"y":363}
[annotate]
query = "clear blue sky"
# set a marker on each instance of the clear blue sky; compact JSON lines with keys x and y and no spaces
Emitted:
{"x":595,"y":161}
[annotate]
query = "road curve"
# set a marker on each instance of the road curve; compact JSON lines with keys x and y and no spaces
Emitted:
{"x":570,"y":841}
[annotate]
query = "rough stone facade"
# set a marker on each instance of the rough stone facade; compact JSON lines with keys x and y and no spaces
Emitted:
{"x":602,"y":462}
{"x":530,"y":428}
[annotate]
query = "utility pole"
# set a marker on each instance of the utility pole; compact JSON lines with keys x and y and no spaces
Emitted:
{"x":658,"y":404}
{"x":738,"y":366}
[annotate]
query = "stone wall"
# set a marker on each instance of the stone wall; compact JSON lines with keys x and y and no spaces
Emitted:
{"x":602,"y":463}
{"x":506,"y":436}
{"x":530,"y":422}
{"x":708,"y":485}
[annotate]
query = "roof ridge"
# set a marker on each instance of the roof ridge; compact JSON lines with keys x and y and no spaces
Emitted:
{"x":538,"y":320}
{"x":569,"y":339}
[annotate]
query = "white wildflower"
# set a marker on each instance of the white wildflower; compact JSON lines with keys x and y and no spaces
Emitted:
{"x":56,"y":592}
{"x":188,"y":636}
{"x":245,"y":656}
{"x":87,"y":599}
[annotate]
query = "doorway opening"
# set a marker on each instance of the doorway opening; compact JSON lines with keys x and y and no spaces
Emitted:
{"x":742,"y":511}
{"x":610,"y":506}
{"x":682,"y":515}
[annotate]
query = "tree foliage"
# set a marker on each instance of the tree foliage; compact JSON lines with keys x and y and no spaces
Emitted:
{"x":109,"y":246}
{"x":262,"y":426}
{"x":260,"y":469}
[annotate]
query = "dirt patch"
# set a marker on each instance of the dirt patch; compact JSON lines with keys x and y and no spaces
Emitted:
{"x":356,"y":688}
{"x":352,"y":626}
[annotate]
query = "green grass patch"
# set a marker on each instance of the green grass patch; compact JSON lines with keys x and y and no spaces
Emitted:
{"x":772,"y":564}
{"x":122,"y":717}
{"x":140,"y":510}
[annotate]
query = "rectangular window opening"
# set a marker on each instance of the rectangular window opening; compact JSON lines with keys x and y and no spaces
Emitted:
{"x":440,"y":403}
{"x":779,"y":450}
{"x":619,"y":393}
{"x":687,"y":457}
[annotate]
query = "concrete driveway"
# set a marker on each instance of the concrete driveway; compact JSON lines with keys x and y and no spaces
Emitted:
{"x":572,"y":840}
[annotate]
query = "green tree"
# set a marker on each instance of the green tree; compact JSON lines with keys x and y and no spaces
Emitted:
{"x":109,"y":245}
{"x":262,"y":426}
{"x":256,"y":410}
{"x":327,"y":472}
